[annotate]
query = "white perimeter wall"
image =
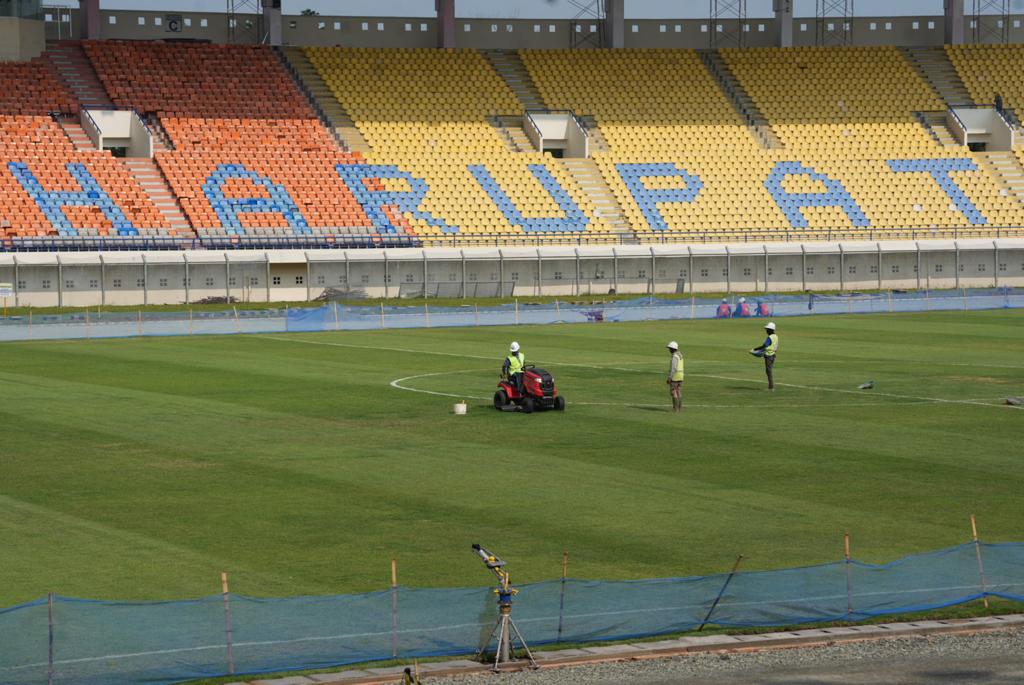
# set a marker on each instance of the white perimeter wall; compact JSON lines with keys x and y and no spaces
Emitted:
{"x":137,"y":278}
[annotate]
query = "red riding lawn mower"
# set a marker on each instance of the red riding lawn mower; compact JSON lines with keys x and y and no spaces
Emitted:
{"x":538,"y":393}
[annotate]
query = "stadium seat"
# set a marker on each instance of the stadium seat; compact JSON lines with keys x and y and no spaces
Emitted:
{"x":249,"y":156}
{"x":233,"y":115}
{"x":674,"y":115}
{"x":427,"y":111}
{"x":856,"y":112}
{"x":35,"y":162}
{"x":990,"y":70}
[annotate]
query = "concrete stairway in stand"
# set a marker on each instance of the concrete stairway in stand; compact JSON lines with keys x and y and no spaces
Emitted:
{"x":327,"y":107}
{"x":161,"y":139}
{"x":515,"y":74}
{"x":933,"y":65}
{"x":744,"y":105}
{"x":77,"y":73}
{"x":75,"y":133}
{"x":588,"y":176}
{"x":510,"y":128}
{"x":1006,"y":169}
{"x":151,"y":179}
{"x":598,"y":143}
{"x":935,"y":124}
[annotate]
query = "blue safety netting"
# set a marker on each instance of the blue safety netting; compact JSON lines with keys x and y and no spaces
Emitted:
{"x":336,"y":316}
{"x":102,"y":642}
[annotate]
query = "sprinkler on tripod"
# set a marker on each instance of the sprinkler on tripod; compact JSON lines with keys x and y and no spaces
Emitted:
{"x":504,"y":627}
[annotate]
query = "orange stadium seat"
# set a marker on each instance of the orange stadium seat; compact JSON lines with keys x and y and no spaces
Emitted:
{"x":30,"y":93}
{"x":231,"y":105}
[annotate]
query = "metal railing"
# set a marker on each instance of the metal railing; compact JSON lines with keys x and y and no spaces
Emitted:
{"x":87,"y":115}
{"x":571,"y":113}
{"x":528,"y":118}
{"x":344,"y":240}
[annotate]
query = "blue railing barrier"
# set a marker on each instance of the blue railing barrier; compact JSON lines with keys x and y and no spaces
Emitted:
{"x":336,"y":317}
{"x":88,"y":642}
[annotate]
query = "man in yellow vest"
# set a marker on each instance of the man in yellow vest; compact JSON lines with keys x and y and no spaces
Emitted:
{"x":512,"y":369}
{"x":675,"y":376}
{"x":768,"y":349}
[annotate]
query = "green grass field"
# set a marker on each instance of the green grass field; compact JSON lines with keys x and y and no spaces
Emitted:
{"x":141,"y":468}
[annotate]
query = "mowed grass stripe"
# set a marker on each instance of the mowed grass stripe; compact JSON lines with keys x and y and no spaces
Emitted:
{"x":154,"y":464}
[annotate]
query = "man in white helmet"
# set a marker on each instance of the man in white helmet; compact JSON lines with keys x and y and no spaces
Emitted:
{"x":767,"y":349}
{"x":675,"y":376}
{"x":513,"y":366}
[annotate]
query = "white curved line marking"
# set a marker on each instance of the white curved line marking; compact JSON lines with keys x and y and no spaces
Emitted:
{"x":916,"y":398}
{"x":397,"y":383}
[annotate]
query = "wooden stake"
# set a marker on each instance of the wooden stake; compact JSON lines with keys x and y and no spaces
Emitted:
{"x":394,"y":607}
{"x":981,"y":566}
{"x":228,"y":631}
{"x":849,"y":580}
{"x":561,"y":598}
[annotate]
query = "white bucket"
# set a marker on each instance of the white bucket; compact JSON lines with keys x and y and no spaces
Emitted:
{"x":459,"y":408}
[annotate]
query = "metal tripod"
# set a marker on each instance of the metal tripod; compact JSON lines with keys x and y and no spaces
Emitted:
{"x":507,"y":632}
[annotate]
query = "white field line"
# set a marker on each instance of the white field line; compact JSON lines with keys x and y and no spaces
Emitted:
{"x":398,"y":384}
{"x":348,"y":636}
{"x":938,"y":400}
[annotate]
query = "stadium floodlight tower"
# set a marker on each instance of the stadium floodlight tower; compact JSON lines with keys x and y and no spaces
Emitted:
{"x":245,"y":21}
{"x":990,"y":21}
{"x":727,"y":23}
{"x":833,"y":21}
{"x":588,"y":13}
{"x":505,"y":628}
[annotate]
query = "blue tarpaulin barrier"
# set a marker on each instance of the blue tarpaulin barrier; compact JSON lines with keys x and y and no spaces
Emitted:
{"x":340,"y":317}
{"x":108,"y":643}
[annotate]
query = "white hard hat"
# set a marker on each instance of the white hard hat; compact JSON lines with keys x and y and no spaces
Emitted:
{"x":673,"y":345}
{"x":770,"y":326}
{"x":514,"y":347}
{"x":743,"y":299}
